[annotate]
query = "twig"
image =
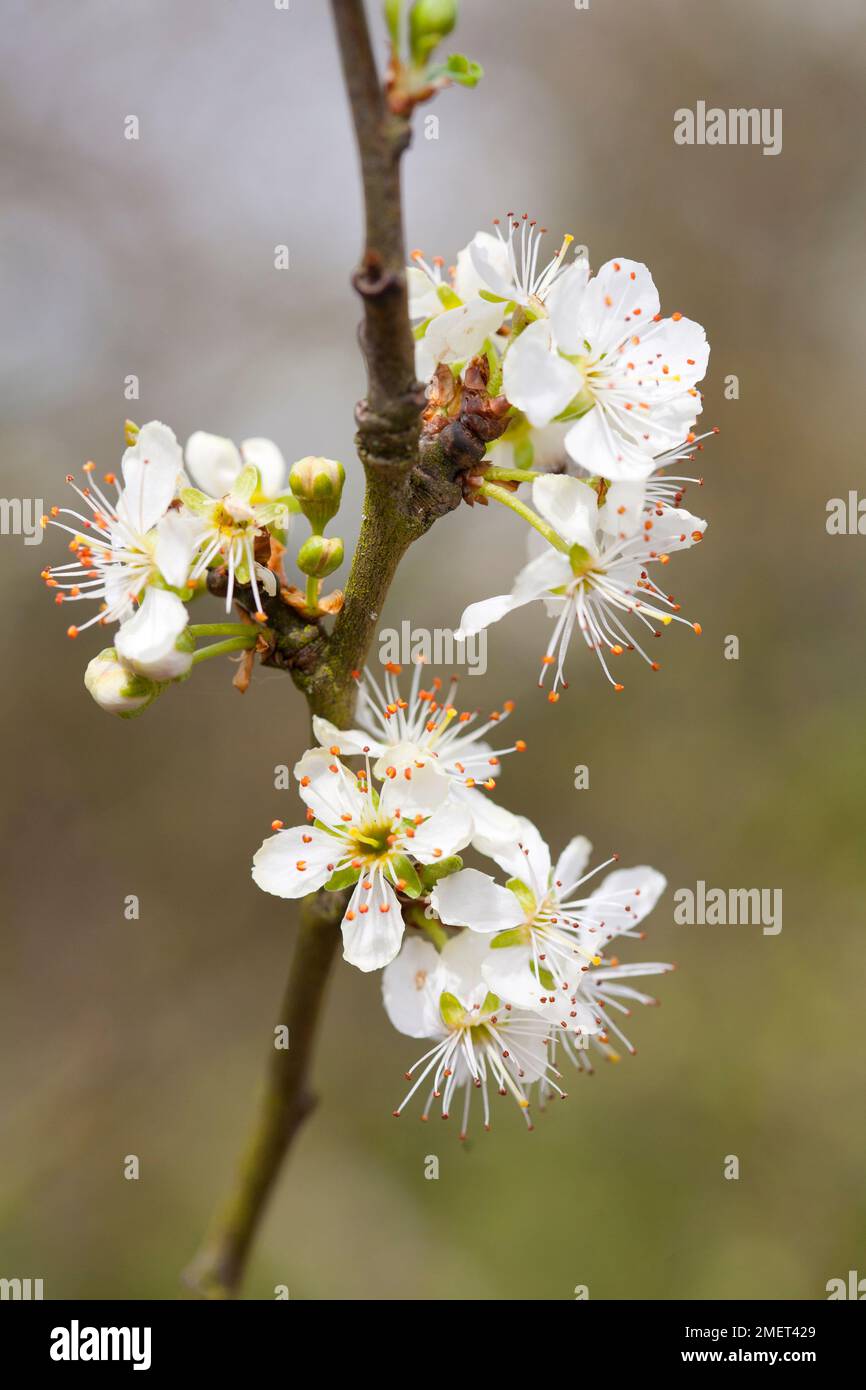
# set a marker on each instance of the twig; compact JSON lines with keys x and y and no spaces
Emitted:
{"x":217,"y":1270}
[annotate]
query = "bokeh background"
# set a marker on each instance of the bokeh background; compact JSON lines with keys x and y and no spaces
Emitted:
{"x":156,"y":258}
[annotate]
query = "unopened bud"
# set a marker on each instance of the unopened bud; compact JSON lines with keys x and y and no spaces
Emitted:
{"x":116,"y":689}
{"x":429,"y":22}
{"x":317,"y":484}
{"x":320,"y":555}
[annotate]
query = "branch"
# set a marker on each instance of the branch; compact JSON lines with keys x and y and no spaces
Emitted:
{"x":217,"y":1270}
{"x":388,"y":419}
{"x":411,"y":482}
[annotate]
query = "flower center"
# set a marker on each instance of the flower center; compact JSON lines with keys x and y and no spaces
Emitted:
{"x":374,"y":840}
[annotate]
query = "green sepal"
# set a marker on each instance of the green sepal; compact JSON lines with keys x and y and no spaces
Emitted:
{"x":448,"y":298}
{"x":581,"y":404}
{"x":452,"y":1011}
{"x":580,"y":560}
{"x":342,"y":878}
{"x":401,"y":867}
{"x":523,"y":894}
{"x":443,"y":868}
{"x":543,"y":976}
{"x":512,"y":936}
{"x":246,"y":483}
{"x":196,"y":502}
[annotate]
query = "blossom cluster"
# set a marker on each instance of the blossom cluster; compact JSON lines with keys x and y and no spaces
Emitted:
{"x":144,"y":543}
{"x":598,"y":385}
{"x":502,"y":977}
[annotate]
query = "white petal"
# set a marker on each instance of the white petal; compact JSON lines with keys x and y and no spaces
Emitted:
{"x":472,"y":899}
{"x":506,"y":971}
{"x":214,"y":462}
{"x":675,"y":529}
{"x":485,"y":264}
{"x":535,"y":378}
{"x":622,"y":900}
{"x":620,"y":301}
{"x":328,"y":788}
{"x":372,"y":939}
{"x":276,"y":864}
{"x":623,"y":508}
{"x":147,"y":641}
{"x":411,"y":986}
{"x":600,"y":446}
{"x":424,"y":301}
{"x":564,"y":303}
{"x":571,"y":864}
{"x":570,"y":506}
{"x":411,"y":789}
{"x":446,"y":832}
{"x":268,"y":459}
{"x":462,"y":958}
{"x":546,"y":572}
{"x":349,"y":741}
{"x":460,"y":333}
{"x":177,"y":539}
{"x":489,"y":819}
{"x":151,"y":471}
{"x":527,"y":857}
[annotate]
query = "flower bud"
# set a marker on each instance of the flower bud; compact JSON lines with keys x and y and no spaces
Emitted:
{"x":317,"y":484}
{"x":429,"y":22}
{"x":320,"y":555}
{"x":116,"y":689}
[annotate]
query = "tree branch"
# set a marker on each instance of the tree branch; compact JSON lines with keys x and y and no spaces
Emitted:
{"x":410,"y":484}
{"x":217,"y":1270}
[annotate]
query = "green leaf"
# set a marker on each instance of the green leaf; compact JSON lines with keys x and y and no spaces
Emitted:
{"x":463,"y":70}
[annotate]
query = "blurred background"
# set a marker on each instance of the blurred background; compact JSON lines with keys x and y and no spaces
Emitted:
{"x":155,"y":258}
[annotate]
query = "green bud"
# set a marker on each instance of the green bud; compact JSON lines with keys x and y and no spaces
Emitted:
{"x":429,"y":22}
{"x":320,"y":555}
{"x":317,"y":484}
